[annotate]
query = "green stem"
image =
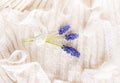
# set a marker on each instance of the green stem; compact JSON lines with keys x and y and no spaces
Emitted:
{"x":28,"y":40}
{"x":54,"y":44}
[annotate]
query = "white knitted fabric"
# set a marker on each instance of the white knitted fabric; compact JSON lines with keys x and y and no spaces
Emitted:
{"x":96,"y":21}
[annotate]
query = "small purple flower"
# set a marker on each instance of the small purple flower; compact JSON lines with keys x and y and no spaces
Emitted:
{"x":64,"y":29}
{"x":71,"y":36}
{"x":71,"y":51}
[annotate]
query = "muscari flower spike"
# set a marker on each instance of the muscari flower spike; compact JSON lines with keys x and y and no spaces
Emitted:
{"x":71,"y":36}
{"x":64,"y":29}
{"x":71,"y":50}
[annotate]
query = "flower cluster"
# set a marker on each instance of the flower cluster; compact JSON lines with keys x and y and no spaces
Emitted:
{"x":71,"y":36}
{"x":70,"y":50}
{"x":64,"y":29}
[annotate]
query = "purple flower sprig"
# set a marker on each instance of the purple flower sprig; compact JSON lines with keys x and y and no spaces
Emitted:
{"x":71,"y":36}
{"x":70,"y":50}
{"x":64,"y":29}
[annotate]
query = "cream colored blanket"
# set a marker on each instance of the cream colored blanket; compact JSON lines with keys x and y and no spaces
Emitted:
{"x":96,"y":21}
